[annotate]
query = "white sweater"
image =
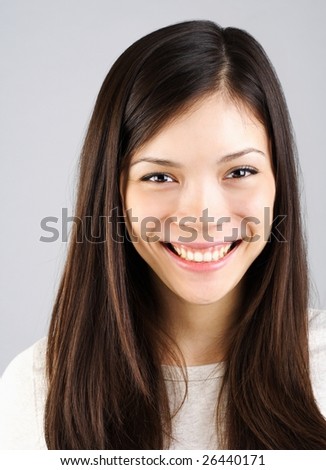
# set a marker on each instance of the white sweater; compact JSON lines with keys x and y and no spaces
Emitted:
{"x":23,"y":394}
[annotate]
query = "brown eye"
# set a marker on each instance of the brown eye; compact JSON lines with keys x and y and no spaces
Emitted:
{"x":242,"y":172}
{"x":158,"y":178}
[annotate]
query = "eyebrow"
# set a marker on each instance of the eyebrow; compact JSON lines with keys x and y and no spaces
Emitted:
{"x":157,"y":161}
{"x":225,"y":158}
{"x":241,"y":153}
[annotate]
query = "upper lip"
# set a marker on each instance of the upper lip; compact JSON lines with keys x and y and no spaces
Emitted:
{"x":201,"y":246}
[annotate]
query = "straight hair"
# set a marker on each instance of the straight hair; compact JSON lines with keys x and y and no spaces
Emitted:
{"x":105,"y":383}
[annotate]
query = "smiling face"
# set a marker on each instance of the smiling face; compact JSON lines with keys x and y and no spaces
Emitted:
{"x":195,"y":196}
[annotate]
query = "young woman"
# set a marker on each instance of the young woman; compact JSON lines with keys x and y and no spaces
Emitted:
{"x":182,"y":319}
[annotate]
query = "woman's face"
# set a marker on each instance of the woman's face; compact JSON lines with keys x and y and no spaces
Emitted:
{"x":199,"y":199}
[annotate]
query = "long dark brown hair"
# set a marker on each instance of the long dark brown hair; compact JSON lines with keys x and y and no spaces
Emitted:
{"x":106,"y":389}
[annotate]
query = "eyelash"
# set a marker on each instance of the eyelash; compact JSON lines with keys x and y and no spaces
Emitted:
{"x":246,"y":169}
{"x":152,"y":175}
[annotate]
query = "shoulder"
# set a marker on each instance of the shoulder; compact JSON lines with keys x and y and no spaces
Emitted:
{"x":22,"y":400}
{"x":317,"y":333}
{"x":317,"y":347}
{"x":317,"y":319}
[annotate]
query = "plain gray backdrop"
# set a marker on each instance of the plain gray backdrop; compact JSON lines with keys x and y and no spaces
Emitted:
{"x":54,"y":57}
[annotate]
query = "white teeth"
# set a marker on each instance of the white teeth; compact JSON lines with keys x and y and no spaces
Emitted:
{"x":206,"y":256}
{"x":198,"y":256}
{"x":190,"y":255}
{"x":216,"y":255}
{"x":177,"y":249}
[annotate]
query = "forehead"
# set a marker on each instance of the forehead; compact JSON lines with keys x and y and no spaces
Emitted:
{"x":215,"y":124}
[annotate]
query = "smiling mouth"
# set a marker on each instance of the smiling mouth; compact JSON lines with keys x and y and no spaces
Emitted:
{"x":202,"y":255}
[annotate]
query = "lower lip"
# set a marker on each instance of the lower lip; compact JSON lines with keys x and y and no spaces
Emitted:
{"x":205,"y":266}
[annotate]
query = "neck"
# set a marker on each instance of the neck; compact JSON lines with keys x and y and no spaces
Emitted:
{"x":199,"y":333}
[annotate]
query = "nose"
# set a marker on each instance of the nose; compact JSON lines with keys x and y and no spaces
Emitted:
{"x":203,"y":203}
{"x":203,"y":200}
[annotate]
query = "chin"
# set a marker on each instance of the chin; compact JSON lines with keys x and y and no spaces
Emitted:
{"x":206,"y":297}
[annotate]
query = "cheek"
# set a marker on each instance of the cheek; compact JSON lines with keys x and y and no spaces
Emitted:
{"x":255,"y":199}
{"x":145,"y":214}
{"x":256,"y":212}
{"x":142,"y":204}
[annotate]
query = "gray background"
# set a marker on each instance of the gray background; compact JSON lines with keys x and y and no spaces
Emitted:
{"x":54,"y":57}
